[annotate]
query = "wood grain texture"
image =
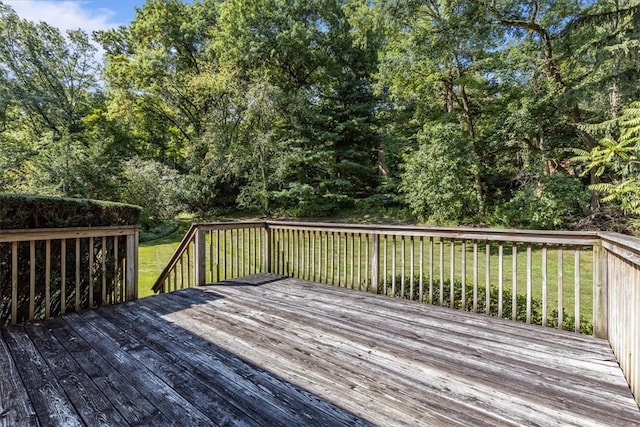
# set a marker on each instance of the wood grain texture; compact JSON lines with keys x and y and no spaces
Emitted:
{"x":265,"y":350}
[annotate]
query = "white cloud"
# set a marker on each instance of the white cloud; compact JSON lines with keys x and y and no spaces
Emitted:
{"x":65,"y":15}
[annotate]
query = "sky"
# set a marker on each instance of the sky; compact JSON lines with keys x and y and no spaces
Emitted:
{"x":88,"y":15}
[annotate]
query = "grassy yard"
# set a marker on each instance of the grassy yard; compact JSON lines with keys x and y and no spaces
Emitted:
{"x":153,"y":257}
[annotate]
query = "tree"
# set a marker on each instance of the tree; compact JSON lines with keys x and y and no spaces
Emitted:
{"x":50,"y":86}
{"x":617,"y":159}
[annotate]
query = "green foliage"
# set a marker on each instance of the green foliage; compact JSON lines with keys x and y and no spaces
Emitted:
{"x":438,"y":178}
{"x":617,"y":160}
{"x":151,"y":185}
{"x":568,"y":321}
{"x":550,"y":202}
{"x":18,"y":211}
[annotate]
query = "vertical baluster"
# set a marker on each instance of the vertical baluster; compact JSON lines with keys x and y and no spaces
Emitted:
{"x":333,"y":257}
{"x":544,"y":284}
{"x":352,"y":262}
{"x":63,"y":251}
{"x":411,"y":267}
{"x":560,"y":286}
{"x":32,"y":279}
{"x":238,"y":257}
{"x":402,"y":259}
{"x":345,"y":260}
{"x":47,"y":278}
{"x":441,"y":301}
{"x":217,"y":256}
{"x":577,"y":288}
{"x":529,"y":272}
{"x":487,"y":273}
{"x":300,"y":252}
{"x":115,"y":268}
{"x":366,"y":265}
{"x":476,"y":266}
{"x":514,"y":281}
{"x":224,"y":253}
{"x":339,"y":257}
{"x":463,"y":273}
{"x":78,"y":270}
{"x":393,"y":266}
{"x":243,"y":252}
{"x":313,"y":255}
{"x":305,"y":262}
{"x":210,"y":233}
{"x":14,"y":283}
{"x":452,"y":273}
{"x":421,"y":268}
{"x":384,"y":264}
{"x":431,"y":249}
{"x":359,"y":258}
{"x":500,"y":277}
{"x":91,"y":256}
{"x":326,"y":257}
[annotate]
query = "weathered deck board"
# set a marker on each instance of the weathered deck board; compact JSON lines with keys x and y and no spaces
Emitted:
{"x":270,"y":351}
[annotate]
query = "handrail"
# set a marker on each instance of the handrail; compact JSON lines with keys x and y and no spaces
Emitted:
{"x":469,"y":233}
{"x":177,"y":254}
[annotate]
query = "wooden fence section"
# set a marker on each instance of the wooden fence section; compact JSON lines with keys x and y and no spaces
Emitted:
{"x":214,"y":252}
{"x":47,"y":272}
{"x":620,"y":282}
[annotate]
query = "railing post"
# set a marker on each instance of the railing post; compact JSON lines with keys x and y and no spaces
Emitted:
{"x":600,"y":292}
{"x":375,"y":263}
{"x":266,"y":248}
{"x":200,"y":262}
{"x":131,"y":284}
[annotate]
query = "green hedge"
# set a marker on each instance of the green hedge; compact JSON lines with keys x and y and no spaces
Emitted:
{"x":18,"y":211}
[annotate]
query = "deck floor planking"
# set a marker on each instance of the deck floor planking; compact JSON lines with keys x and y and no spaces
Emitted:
{"x":266,"y":350}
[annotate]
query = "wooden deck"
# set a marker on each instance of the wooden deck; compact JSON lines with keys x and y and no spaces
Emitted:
{"x":270,"y":351}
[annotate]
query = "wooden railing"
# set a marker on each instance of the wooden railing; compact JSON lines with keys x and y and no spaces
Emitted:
{"x":581,"y":281}
{"x":214,"y":252}
{"x":620,"y":284}
{"x":47,"y":272}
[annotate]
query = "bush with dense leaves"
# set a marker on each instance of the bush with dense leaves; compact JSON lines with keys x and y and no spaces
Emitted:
{"x":18,"y":211}
{"x":551,"y":202}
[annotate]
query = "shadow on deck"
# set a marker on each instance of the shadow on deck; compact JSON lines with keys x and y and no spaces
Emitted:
{"x":269,"y":351}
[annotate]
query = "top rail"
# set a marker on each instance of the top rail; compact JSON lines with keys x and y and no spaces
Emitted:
{"x":65,"y":233}
{"x":468,"y":233}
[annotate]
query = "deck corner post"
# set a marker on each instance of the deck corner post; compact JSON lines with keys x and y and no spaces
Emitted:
{"x":375,"y":263}
{"x":266,"y":247}
{"x":600,"y":292}
{"x":200,"y":258}
{"x":131,"y":274}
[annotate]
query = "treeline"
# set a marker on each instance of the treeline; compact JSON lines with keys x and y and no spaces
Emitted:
{"x":513,"y":113}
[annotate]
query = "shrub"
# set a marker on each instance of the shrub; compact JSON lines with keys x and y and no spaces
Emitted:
{"x":438,"y":178}
{"x":19,"y":211}
{"x":551,"y":202}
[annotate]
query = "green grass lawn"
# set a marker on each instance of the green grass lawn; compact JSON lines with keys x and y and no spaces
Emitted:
{"x":153,"y":257}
